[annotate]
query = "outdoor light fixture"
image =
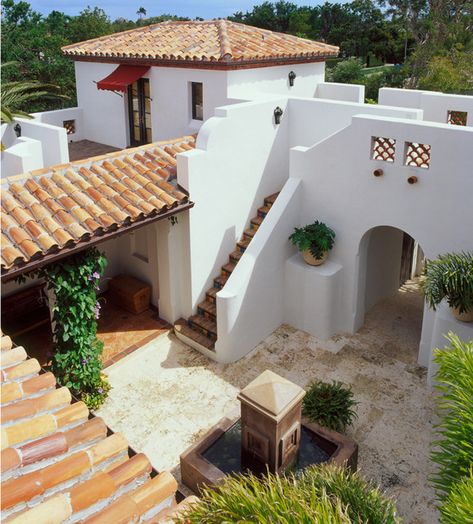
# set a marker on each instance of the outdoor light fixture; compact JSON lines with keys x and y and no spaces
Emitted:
{"x":17,"y":130}
{"x":292,"y":77}
{"x":277,"y":115}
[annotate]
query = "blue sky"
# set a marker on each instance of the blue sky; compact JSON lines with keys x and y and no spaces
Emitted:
{"x":127,"y":8}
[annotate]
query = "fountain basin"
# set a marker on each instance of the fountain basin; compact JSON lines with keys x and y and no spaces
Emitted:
{"x":218,"y":453}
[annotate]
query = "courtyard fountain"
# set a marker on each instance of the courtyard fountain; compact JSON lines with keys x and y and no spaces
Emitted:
{"x":269,"y":435}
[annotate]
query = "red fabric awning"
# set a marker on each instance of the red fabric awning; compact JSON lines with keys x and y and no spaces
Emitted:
{"x":122,"y":77}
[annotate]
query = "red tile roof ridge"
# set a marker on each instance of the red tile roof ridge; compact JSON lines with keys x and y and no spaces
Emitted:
{"x":221,"y":41}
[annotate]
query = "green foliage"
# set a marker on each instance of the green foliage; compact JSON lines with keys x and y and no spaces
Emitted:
{"x":451,"y":277}
{"x":389,"y":77}
{"x":77,"y":359}
{"x":317,"y":238}
{"x":330,"y":405}
{"x":453,"y":447}
{"x":16,"y":96}
{"x":449,"y":74}
{"x":347,"y":72}
{"x":458,"y":506}
{"x":320,"y":495}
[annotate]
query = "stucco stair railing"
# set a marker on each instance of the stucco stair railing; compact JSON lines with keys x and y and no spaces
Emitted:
{"x":200,"y":330}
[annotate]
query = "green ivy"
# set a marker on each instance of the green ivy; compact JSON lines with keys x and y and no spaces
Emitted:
{"x":77,"y":361}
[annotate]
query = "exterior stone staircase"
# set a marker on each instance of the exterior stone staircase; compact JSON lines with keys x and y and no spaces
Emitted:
{"x":201,"y":328}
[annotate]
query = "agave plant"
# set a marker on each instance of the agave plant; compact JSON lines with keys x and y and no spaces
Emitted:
{"x":451,"y":277}
{"x":15,"y":96}
{"x":330,"y":405}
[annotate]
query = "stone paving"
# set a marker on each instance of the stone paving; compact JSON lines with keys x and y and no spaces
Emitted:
{"x":86,"y":149}
{"x":166,"y":395}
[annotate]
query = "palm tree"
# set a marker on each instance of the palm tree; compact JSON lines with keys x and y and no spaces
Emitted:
{"x":15,"y":96}
{"x":141,"y":12}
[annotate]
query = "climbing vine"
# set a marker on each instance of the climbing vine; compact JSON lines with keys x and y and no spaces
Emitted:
{"x":77,"y":360}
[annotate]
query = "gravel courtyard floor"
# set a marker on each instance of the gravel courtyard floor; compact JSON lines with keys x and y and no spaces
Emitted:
{"x":166,"y":395}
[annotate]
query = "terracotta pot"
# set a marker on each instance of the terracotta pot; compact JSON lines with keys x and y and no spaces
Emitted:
{"x":466,"y":316}
{"x":312,"y":261}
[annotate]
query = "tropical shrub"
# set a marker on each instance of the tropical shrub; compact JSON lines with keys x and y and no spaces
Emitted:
{"x":346,"y":72}
{"x":330,"y":405}
{"x":451,"y":277}
{"x":453,"y":446}
{"x":317,"y":238}
{"x":320,"y":495}
{"x":77,"y":360}
{"x":458,"y":506}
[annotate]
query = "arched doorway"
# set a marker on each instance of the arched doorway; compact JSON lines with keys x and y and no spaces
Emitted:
{"x":388,"y":296}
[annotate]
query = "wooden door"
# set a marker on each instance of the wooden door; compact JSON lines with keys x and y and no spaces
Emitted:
{"x":139,"y":110}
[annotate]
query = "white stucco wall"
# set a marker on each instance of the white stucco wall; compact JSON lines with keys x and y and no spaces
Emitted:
{"x":314,"y":120}
{"x":105,"y":118}
{"x":59,"y":116}
{"x":336,"y":91}
{"x":256,"y":83}
{"x":435,"y":105}
{"x":241,"y":157}
{"x":341,"y":190}
{"x":171,"y":99}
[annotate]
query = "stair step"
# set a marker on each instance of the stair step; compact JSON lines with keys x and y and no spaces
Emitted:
{"x":243,"y":244}
{"x":227,"y":269}
{"x":210,"y":295}
{"x":235,"y":256}
{"x":219,"y":282}
{"x":249,"y":233}
{"x":206,"y":326}
{"x":207,"y":309}
{"x":271,"y":198}
{"x":256,"y":222}
{"x":181,"y":326}
{"x":263,"y":211}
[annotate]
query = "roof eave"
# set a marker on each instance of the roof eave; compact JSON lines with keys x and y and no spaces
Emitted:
{"x":17,"y":270}
{"x":223,"y":64}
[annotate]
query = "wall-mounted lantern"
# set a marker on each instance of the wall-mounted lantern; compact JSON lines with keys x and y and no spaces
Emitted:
{"x":378,"y":172}
{"x":292,"y":77}
{"x":277,"y":115}
{"x":17,"y":129}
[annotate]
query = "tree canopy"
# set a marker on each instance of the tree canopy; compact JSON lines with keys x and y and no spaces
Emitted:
{"x":432,"y":38}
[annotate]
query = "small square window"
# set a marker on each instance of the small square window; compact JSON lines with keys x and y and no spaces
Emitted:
{"x":197,"y":92}
{"x":417,"y":155}
{"x":70,"y":126}
{"x":457,"y":118}
{"x":383,"y":148}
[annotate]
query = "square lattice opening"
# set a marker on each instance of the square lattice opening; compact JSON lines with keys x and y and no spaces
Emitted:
{"x":70,"y":126}
{"x":457,"y":118}
{"x":383,"y":148}
{"x":417,"y":155}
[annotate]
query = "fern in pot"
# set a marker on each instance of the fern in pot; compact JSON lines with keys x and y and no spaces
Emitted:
{"x":450,"y":277}
{"x":314,"y":241}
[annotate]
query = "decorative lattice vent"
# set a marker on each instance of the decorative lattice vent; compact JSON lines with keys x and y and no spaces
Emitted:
{"x":457,"y":118}
{"x":383,"y":148}
{"x":417,"y":155}
{"x":69,"y":126}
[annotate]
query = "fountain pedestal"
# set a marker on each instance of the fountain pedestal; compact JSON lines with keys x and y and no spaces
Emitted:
{"x":270,"y":422}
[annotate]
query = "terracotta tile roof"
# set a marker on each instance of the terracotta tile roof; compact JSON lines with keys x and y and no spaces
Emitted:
{"x":197,"y":42}
{"x":58,"y":465}
{"x":56,"y":208}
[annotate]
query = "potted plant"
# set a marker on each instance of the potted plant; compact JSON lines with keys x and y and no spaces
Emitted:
{"x":314,"y":241}
{"x":451,"y":277}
